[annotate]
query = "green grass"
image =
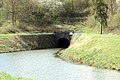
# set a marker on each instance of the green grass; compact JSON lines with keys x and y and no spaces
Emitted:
{"x":4,"y":76}
{"x":20,"y":34}
{"x":95,"y":50}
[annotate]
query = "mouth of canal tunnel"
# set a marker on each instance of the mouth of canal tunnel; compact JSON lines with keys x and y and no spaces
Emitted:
{"x":63,"y":43}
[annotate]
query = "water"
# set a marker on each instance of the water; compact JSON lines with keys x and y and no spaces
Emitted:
{"x":42,"y":65}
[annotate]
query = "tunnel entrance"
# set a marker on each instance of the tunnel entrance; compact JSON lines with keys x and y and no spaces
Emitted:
{"x":63,"y":43}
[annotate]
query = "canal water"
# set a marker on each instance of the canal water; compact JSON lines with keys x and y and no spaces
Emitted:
{"x":43,"y":65}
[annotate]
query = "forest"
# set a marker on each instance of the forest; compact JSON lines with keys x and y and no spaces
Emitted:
{"x":58,"y":15}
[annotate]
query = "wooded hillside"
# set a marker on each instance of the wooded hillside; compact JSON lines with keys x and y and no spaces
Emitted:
{"x":27,"y":15}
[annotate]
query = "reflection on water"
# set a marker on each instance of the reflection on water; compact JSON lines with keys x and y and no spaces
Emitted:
{"x":42,"y":65}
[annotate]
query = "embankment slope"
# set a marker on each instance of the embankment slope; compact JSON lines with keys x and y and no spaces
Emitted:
{"x":95,"y":50}
{"x":22,"y":42}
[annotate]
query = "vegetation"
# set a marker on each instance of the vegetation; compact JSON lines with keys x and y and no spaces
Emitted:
{"x":112,"y":20}
{"x":39,"y":14}
{"x":4,"y":76}
{"x":99,"y":9}
{"x":42,"y":15}
{"x":95,"y":50}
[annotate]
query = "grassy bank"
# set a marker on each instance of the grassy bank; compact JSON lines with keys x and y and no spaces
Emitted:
{"x":11,"y":43}
{"x":95,"y":50}
{"x":4,"y":76}
{"x":26,"y":41}
{"x":41,"y":29}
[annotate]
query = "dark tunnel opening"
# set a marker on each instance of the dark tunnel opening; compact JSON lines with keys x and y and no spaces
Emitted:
{"x":63,"y":43}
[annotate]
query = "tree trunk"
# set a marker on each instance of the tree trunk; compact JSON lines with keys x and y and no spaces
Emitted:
{"x":2,"y":5}
{"x":13,"y":12}
{"x":101,"y":29}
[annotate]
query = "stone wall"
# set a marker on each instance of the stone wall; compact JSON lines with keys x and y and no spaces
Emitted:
{"x":39,"y":41}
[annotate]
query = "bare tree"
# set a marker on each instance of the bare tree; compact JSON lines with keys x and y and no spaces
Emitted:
{"x":1,"y":4}
{"x":111,"y":6}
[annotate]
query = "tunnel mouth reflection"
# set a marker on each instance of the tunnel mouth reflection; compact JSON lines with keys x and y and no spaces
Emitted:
{"x":63,"y":43}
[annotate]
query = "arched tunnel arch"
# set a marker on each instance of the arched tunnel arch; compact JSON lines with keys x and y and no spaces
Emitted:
{"x":63,"y":43}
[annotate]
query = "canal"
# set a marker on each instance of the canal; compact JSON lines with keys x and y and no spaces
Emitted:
{"x":43,"y":65}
